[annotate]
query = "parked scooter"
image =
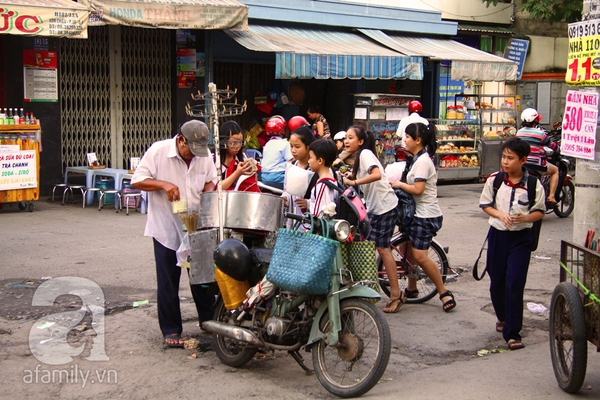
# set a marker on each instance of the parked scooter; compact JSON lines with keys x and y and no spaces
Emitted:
{"x":565,"y":191}
{"x":349,"y":338}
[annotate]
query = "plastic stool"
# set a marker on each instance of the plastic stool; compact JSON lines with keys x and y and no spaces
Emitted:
{"x":126,"y":196}
{"x":61,"y":185}
{"x":70,"y":188}
{"x":90,"y":189}
{"x":117,"y":194}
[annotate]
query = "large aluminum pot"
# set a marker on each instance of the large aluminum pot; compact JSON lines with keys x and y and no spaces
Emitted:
{"x":243,"y":210}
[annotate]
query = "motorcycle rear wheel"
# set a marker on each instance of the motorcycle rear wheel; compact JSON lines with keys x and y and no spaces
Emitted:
{"x":566,"y":201}
{"x":231,"y":352}
{"x":353,"y":370}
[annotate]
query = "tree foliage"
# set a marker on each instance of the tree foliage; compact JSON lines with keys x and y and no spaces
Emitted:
{"x":548,"y":10}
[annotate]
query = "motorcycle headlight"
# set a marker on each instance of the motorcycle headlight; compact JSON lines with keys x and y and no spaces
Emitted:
{"x":342,"y":230}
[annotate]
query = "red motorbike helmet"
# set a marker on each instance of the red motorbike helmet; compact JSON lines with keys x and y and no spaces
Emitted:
{"x":415,"y":107}
{"x":275,"y":126}
{"x":296,"y":122}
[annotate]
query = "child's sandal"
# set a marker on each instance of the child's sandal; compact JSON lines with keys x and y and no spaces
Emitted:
{"x":450,"y":304}
{"x":411,"y":294}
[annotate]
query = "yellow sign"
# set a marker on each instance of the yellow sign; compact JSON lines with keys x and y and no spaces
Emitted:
{"x":584,"y":54}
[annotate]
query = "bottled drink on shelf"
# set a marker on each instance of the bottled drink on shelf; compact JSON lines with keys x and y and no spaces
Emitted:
{"x":16,"y":118}
{"x":10,"y":117}
{"x":22,"y":116}
{"x":2,"y":116}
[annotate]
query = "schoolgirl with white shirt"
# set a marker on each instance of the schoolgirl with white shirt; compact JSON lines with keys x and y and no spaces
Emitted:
{"x":381,"y":202}
{"x":422,"y":185}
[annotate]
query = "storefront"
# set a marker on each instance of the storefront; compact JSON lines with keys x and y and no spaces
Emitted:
{"x":118,"y":90}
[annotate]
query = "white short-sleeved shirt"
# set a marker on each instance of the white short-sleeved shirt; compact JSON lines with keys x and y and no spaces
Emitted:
{"x":276,"y":154}
{"x":379,"y":195}
{"x":321,"y":195}
{"x":163,"y":162}
{"x":413,"y":118}
{"x":423,"y":170}
{"x":505,"y":197}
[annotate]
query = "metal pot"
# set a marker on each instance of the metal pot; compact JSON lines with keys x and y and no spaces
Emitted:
{"x":243,"y":210}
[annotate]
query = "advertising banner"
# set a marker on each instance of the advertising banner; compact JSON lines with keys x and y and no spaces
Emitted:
{"x":18,"y":170}
{"x":579,"y":125}
{"x":62,"y":18}
{"x":583,"y":65}
{"x":170,"y":14}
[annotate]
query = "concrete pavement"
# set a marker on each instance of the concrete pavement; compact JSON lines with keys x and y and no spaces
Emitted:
{"x":434,"y":354}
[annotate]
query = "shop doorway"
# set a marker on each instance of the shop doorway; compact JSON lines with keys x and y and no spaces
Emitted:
{"x":115,"y":94}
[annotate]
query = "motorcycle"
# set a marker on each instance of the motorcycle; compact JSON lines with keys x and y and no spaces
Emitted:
{"x":349,"y":338}
{"x":565,"y":191}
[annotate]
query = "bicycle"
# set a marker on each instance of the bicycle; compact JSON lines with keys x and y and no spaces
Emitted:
{"x":407,"y":269}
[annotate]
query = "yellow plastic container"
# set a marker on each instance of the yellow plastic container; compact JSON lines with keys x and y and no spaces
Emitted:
{"x":233,"y":291}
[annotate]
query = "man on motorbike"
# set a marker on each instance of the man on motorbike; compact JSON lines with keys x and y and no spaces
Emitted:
{"x":537,"y":138}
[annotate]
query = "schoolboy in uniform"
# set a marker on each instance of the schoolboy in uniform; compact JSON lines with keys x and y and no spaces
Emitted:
{"x":510,"y":238}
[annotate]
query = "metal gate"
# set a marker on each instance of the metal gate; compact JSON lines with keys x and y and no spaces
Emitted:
{"x":115,"y":91}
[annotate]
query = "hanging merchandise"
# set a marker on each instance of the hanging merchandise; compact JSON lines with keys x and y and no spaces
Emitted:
{"x":296,"y":93}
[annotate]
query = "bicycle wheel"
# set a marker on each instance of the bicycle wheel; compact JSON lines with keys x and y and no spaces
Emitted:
{"x":427,"y":289}
{"x":568,"y":343}
{"x":230,"y":351}
{"x":566,"y":200}
{"x":354,"y":368}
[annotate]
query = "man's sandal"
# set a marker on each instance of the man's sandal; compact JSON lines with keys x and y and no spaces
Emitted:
{"x":173,"y":340}
{"x":411,"y":294}
{"x":397,"y":302}
{"x":450,"y":304}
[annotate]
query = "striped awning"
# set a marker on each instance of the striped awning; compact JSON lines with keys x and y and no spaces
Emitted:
{"x":468,"y":63}
{"x":60,"y":18}
{"x":312,"y":53}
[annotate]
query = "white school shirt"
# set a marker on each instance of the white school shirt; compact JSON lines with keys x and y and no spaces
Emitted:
{"x":505,"y":197}
{"x":321,"y":195}
{"x":163,"y":162}
{"x":379,"y":195}
{"x":423,"y":169}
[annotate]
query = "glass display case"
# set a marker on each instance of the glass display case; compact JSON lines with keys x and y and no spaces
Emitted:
{"x":458,"y":135}
{"x":381,"y":113}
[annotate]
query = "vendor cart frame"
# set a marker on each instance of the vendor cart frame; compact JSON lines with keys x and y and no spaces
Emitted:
{"x":574,"y":314}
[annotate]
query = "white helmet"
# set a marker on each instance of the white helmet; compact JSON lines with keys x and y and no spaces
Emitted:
{"x":341,"y":135}
{"x":530,"y":115}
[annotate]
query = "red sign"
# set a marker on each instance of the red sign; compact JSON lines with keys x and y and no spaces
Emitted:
{"x":40,"y":59}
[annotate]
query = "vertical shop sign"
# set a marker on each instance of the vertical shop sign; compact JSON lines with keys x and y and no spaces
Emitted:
{"x":40,"y":76}
{"x":186,"y":59}
{"x":516,"y":50}
{"x":579,"y":125}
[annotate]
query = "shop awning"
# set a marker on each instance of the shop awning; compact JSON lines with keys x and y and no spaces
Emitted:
{"x":170,"y":14}
{"x":489,"y":30}
{"x":62,"y":18}
{"x":322,"y":54}
{"x":467,"y":63}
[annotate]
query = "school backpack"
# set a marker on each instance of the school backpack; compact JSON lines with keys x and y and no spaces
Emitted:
{"x":531,"y":188}
{"x":350,"y":207}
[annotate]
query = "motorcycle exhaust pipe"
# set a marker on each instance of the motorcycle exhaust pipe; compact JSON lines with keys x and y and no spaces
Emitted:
{"x":232,"y":332}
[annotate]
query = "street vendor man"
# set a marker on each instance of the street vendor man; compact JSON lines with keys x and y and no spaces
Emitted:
{"x":175,"y":172}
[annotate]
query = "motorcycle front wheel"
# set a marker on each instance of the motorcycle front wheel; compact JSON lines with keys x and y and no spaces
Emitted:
{"x":356,"y":365}
{"x":566,"y":200}
{"x":230,"y":351}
